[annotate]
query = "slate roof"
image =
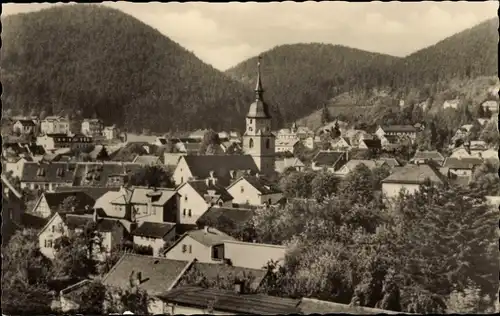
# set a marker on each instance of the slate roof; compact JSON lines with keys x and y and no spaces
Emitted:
{"x":202,"y":188}
{"x":157,"y":273}
{"x":55,"y":200}
{"x":74,"y":221}
{"x":98,"y":174}
{"x":222,"y":214}
{"x":53,"y":172}
{"x":171,"y":159}
{"x":262,"y":185}
{"x":328,"y":158}
{"x":36,"y":150}
{"x":158,"y":196}
{"x":147,"y":160}
{"x":228,"y":301}
{"x":399,"y":128}
{"x":462,"y":163}
{"x":155,"y":230}
{"x":221,"y":165}
{"x":392,"y":162}
{"x":213,"y":237}
{"x":93,"y":192}
{"x":31,"y":221}
{"x":431,"y":155}
{"x":26,"y":122}
{"x":415,"y":174}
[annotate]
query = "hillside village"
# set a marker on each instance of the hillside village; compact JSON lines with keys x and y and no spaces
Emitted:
{"x":349,"y":217}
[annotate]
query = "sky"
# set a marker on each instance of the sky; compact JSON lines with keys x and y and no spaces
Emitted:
{"x":225,"y":34}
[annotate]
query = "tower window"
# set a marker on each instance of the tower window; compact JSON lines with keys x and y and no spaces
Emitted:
{"x":250,"y":143}
{"x":268,"y":143}
{"x":250,"y":121}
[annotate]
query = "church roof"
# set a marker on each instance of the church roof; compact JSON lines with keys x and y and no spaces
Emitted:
{"x":259,"y":109}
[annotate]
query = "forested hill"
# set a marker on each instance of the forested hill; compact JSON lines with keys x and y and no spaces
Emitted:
{"x":303,"y":77}
{"x":90,"y":60}
{"x":300,"y":77}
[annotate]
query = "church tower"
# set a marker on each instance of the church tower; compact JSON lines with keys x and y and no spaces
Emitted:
{"x":258,"y":140}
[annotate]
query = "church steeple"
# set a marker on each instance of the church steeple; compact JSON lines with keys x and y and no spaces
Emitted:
{"x":259,"y":91}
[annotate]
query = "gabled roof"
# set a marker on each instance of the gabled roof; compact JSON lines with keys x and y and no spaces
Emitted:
{"x":328,"y":158}
{"x":157,"y":196}
{"x":93,"y":192}
{"x":372,"y":143}
{"x":313,"y":306}
{"x":55,"y":200}
{"x":222,"y":215}
{"x":74,"y":221}
{"x":210,"y":238}
{"x":155,"y":230}
{"x":431,"y":155}
{"x":371,"y":164}
{"x":147,"y":160}
{"x":462,"y":163}
{"x":221,"y":165}
{"x":75,"y":291}
{"x":201,"y":187}
{"x":339,"y":139}
{"x":53,"y":172}
{"x":98,"y":174}
{"x":26,"y":122}
{"x":172,"y":159}
{"x":398,"y":128}
{"x":228,"y":301}
{"x":392,"y":162}
{"x":262,"y":185}
{"x":157,"y":274}
{"x":415,"y":174}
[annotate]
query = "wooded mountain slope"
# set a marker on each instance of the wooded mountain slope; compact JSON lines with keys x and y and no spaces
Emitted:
{"x":90,"y":60}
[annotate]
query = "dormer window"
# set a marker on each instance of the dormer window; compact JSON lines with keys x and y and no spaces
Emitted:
{"x":218,"y":252}
{"x":40,"y":172}
{"x":242,"y":189}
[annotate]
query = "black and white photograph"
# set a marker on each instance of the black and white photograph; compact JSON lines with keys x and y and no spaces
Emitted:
{"x":250,"y":158}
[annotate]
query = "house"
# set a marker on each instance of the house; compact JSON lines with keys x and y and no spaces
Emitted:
{"x":198,"y":134}
{"x":54,"y":125}
{"x":396,"y":130}
{"x":154,"y":235}
{"x":12,"y":209}
{"x":160,"y":141}
{"x":254,"y":190}
{"x":225,"y":219}
{"x":70,"y":298}
{"x":51,"y":202}
{"x":110,"y":132}
{"x":190,"y":148}
{"x":172,"y":159}
{"x":15,"y":165}
{"x":309,"y":306}
{"x":309,"y":142}
{"x":370,"y":144}
{"x":104,"y":174}
{"x":197,"y":300}
{"x":24,"y":127}
{"x":468,"y":151}
{"x":115,"y":204}
{"x":92,"y":127}
{"x":156,"y":205}
{"x":231,"y":147}
{"x":409,"y":178}
{"x":462,"y":166}
{"x":352,"y":164}
{"x":331,"y":160}
{"x":289,"y":163}
{"x":248,"y":254}
{"x":155,"y":275}
{"x":147,"y":160}
{"x":424,"y":156}
{"x":341,"y":144}
{"x":451,"y":104}
{"x":94,"y":192}
{"x":391,"y":162}
{"x":490,"y":154}
{"x":390,"y":142}
{"x":55,"y":141}
{"x":491,"y":105}
{"x":483,"y":121}
{"x":62,"y":224}
{"x":286,"y":145}
{"x":223,"y":167}
{"x":197,"y":244}
{"x":197,"y":196}
{"x":47,"y":176}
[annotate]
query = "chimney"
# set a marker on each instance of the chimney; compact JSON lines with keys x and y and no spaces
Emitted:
{"x":206,"y":229}
{"x":232,"y":173}
{"x":95,"y":216}
{"x":211,"y":173}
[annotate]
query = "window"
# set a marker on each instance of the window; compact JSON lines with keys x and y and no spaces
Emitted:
{"x":269,"y":201}
{"x":49,"y":244}
{"x":184,"y":212}
{"x":268,"y":143}
{"x":53,"y":228}
{"x":185,"y":198}
{"x":189,"y":213}
{"x":250,"y":121}
{"x":218,"y":252}
{"x":182,"y":179}
{"x":250,"y":143}
{"x":220,"y":203}
{"x":242,"y":189}
{"x":184,"y":248}
{"x":190,"y":249}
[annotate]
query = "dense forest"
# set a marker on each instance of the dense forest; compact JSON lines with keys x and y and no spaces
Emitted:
{"x":301,"y":78}
{"x":88,"y":60}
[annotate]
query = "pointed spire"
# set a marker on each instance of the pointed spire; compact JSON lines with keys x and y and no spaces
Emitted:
{"x":258,"y":87}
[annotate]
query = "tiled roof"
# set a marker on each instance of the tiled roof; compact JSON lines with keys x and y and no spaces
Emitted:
{"x":313,"y":306}
{"x":228,"y":301}
{"x":31,"y":221}
{"x":221,"y":165}
{"x":328,"y":158}
{"x":155,"y":230}
{"x":147,"y":160}
{"x":399,"y":128}
{"x":75,"y":291}
{"x":431,"y":155}
{"x":36,"y":150}
{"x":462,"y":163}
{"x":202,"y":188}
{"x":158,"y":196}
{"x":98,"y":174}
{"x":352,"y":164}
{"x":171,"y":159}
{"x":93,"y":192}
{"x":392,"y":162}
{"x":54,"y":172}
{"x":157,"y":274}
{"x":210,"y":238}
{"x":222,"y":214}
{"x":26,"y":122}
{"x":55,"y":200}
{"x":79,"y":221}
{"x":392,"y":139}
{"x":415,"y":174}
{"x":261,"y":184}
